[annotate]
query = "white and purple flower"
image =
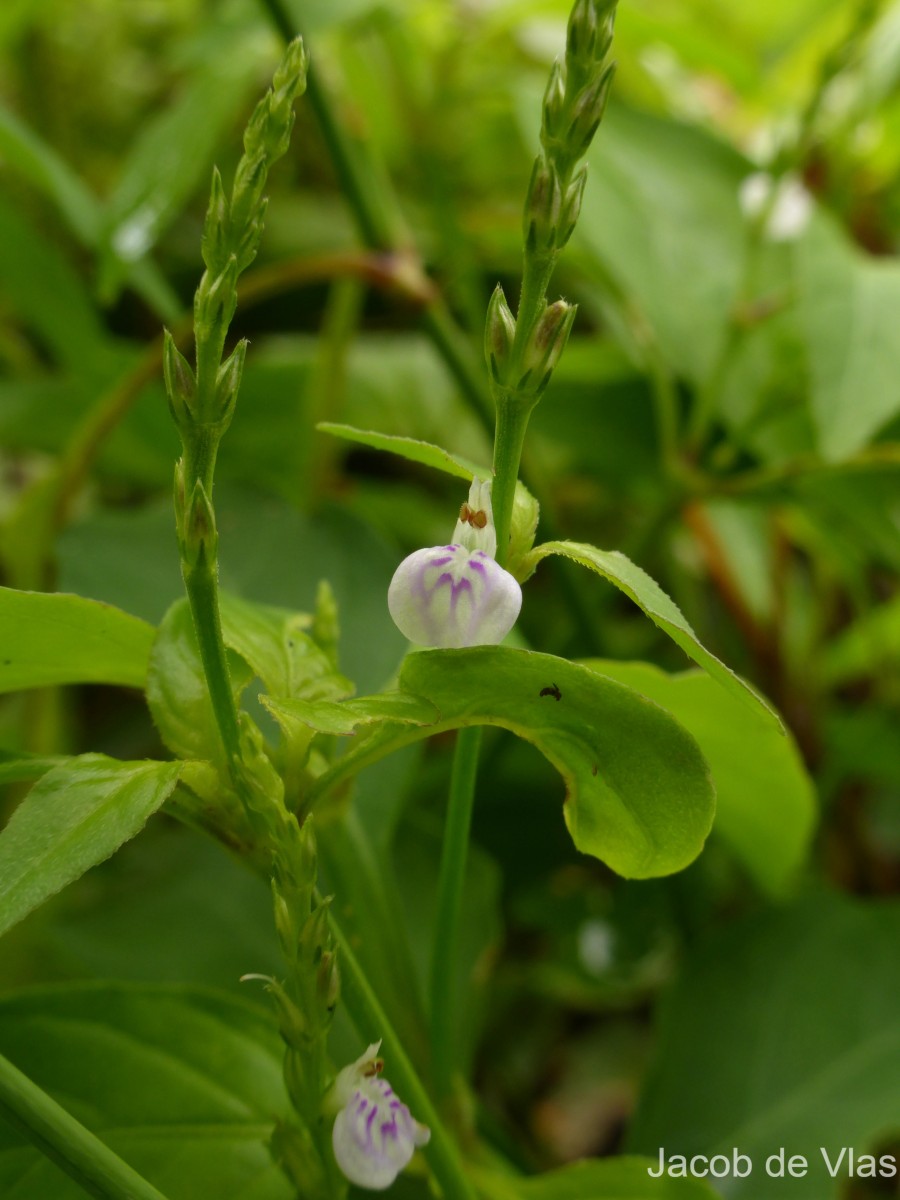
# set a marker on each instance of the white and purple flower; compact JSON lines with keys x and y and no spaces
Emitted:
{"x":457,"y":595}
{"x":374,"y":1135}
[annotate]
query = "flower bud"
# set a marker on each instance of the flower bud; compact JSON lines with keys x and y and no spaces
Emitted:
{"x":588,"y":111}
{"x":543,"y":205}
{"x":315,"y":934}
{"x":199,"y":535}
{"x":590,"y":30}
{"x":545,"y":347}
{"x":374,"y":1134}
{"x":571,"y":207}
{"x":214,"y":243}
{"x":499,"y":334}
{"x":216,"y":300}
{"x":228,"y":381}
{"x":553,"y":112}
{"x":181,"y":385}
{"x":328,"y":982}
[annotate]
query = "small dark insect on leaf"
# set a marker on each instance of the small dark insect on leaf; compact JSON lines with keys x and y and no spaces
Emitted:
{"x":594,"y":769}
{"x":553,"y":691}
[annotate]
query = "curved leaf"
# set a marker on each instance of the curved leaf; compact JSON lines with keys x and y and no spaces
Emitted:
{"x":639,"y":795}
{"x":76,"y":816}
{"x":56,"y":638}
{"x":765,"y":801}
{"x":629,"y":578}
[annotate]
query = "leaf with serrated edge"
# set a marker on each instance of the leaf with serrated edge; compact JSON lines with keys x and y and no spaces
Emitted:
{"x":409,"y":448}
{"x":629,"y":578}
{"x":76,"y":816}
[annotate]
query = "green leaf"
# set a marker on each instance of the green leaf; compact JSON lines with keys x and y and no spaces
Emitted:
{"x":346,"y":717}
{"x":661,"y":223}
{"x":83,"y":1156}
{"x":184,"y":1084}
{"x":23,"y":768}
{"x":66,"y":639}
{"x":867,"y":647}
{"x":48,"y":294}
{"x":409,"y":448}
{"x":128,"y":558}
{"x":25,"y":152}
{"x":176,"y":688}
{"x":265,"y":642}
{"x":782,"y":1032}
{"x":35,"y":160}
{"x":607,"y":1179}
{"x":765,"y":801}
{"x":401,"y":385}
{"x":664,"y":612}
{"x":848,"y":304}
{"x":174,"y":150}
{"x":273,"y":642}
{"x":76,"y":816}
{"x":373,"y":917}
{"x":638,"y":791}
{"x":149,"y":884}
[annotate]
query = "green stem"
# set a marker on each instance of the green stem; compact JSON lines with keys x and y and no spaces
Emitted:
{"x":372,"y":1023}
{"x":75,"y":1149}
{"x":509,"y":438}
{"x":445,"y":943}
{"x":201,"y":585}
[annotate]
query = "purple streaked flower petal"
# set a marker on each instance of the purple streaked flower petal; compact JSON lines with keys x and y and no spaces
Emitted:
{"x":451,"y":596}
{"x":374,"y":1135}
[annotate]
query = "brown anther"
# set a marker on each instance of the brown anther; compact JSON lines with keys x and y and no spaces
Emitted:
{"x":375,"y":1067}
{"x":474,"y":517}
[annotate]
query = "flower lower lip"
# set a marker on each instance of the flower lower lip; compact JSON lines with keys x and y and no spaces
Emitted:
{"x":453,"y":599}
